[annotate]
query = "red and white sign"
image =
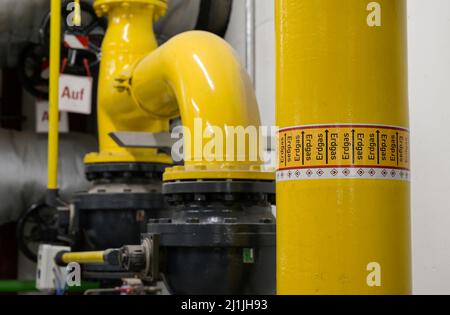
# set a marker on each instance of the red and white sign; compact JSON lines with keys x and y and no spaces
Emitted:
{"x":42,"y":118}
{"x":76,"y":41}
{"x":75,"y":94}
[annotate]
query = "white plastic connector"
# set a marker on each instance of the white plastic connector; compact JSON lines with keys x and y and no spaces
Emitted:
{"x":49,"y":276}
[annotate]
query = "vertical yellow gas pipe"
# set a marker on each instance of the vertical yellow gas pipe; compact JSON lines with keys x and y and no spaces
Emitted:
{"x":129,"y":38}
{"x":53,"y":133}
{"x":343,"y":203}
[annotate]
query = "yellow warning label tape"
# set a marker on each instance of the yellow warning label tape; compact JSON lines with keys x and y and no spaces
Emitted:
{"x":375,"y":151}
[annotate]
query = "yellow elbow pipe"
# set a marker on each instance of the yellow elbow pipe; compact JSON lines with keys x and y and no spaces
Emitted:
{"x":53,"y":133}
{"x":343,"y":195}
{"x":198,"y":75}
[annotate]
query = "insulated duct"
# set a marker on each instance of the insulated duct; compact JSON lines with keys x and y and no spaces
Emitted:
{"x":343,"y":191}
{"x":23,"y":172}
{"x":20,"y":22}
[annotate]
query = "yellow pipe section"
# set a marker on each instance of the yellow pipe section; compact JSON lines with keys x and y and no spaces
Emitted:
{"x":128,"y":39}
{"x":198,"y":75}
{"x":195,"y":75}
{"x":53,"y":133}
{"x":83,"y":257}
{"x":336,"y":66}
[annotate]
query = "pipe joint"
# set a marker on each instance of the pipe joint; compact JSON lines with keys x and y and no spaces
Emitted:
{"x":198,"y":76}
{"x":103,"y":7}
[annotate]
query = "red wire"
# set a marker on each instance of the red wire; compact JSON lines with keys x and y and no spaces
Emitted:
{"x":87,"y":67}
{"x":64,"y":64}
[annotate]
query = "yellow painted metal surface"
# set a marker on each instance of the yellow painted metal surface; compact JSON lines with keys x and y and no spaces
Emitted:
{"x":77,"y":13}
{"x":159,"y":6}
{"x":198,"y":75}
{"x":333,"y":68}
{"x":227,"y":171}
{"x":53,"y":133}
{"x":128,"y":39}
{"x":84,"y":257}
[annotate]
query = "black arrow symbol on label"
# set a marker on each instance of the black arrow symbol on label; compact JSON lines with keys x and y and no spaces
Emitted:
{"x":396,"y":134}
{"x":326,"y":146}
{"x":303,"y":148}
{"x":285,"y":150}
{"x":378,"y":147}
{"x":353,"y":147}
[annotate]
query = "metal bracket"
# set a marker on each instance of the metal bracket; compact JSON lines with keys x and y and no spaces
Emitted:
{"x":162,"y":141}
{"x":143,"y":140}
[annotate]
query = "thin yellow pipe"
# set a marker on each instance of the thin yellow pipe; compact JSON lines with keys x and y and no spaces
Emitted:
{"x":53,"y":133}
{"x":77,"y":11}
{"x":84,"y":257}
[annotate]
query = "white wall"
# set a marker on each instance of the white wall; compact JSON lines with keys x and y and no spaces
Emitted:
{"x":429,"y":75}
{"x":265,"y":60}
{"x":429,"y":56}
{"x":265,"y":52}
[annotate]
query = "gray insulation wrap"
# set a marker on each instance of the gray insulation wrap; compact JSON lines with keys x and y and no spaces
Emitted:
{"x":23,"y":171}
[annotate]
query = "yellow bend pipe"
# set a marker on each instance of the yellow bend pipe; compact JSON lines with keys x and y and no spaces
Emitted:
{"x":343,"y":226}
{"x":198,"y":75}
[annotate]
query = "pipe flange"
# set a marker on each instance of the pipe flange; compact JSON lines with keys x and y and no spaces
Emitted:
{"x":102,"y":7}
{"x":218,"y":172}
{"x":214,"y":235}
{"x":112,"y":171}
{"x":223,"y":191}
{"x":119,"y":202}
{"x":150,"y":245}
{"x":219,"y":187}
